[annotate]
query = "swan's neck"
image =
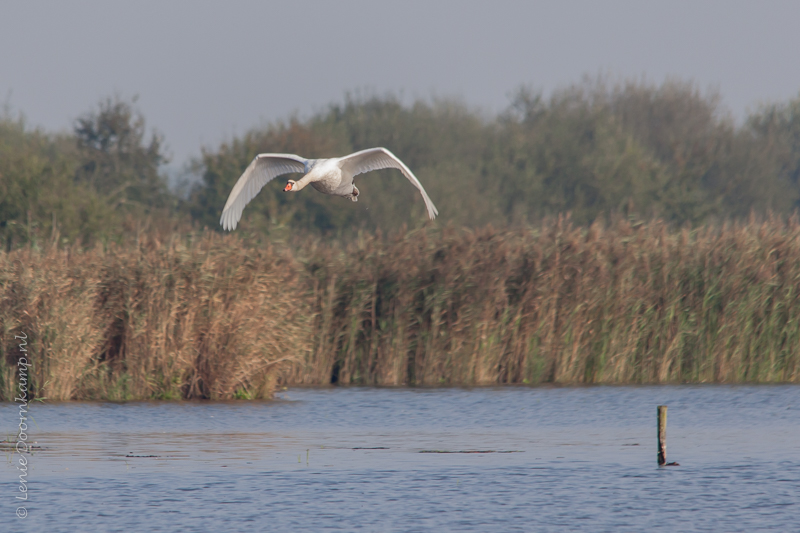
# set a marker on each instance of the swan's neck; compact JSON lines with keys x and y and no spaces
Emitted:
{"x":317,"y":172}
{"x":305,"y":180}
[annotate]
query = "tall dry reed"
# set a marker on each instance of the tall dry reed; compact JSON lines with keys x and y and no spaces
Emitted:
{"x":206,"y":319}
{"x":214,"y":317}
{"x":630,"y":303}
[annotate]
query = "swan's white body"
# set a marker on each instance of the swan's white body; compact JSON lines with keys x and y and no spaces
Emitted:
{"x":330,"y":176}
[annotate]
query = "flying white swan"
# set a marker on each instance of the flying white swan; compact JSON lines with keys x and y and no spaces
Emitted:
{"x":330,"y":176}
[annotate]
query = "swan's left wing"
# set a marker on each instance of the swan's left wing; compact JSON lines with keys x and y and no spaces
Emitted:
{"x":263,"y":169}
{"x":378,"y":158}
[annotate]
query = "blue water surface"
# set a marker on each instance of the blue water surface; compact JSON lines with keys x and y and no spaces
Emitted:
{"x":361,"y":459}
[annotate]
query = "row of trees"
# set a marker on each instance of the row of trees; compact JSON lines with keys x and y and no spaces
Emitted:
{"x":592,"y":149}
{"x":93,"y":183}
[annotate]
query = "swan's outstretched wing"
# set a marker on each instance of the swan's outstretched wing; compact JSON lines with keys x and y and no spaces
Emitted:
{"x":378,"y":158}
{"x":263,"y":169}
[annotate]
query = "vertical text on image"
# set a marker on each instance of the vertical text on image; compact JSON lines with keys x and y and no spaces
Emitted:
{"x":21,"y":447}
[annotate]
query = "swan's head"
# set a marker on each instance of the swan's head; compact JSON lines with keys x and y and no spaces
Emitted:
{"x":290,"y":186}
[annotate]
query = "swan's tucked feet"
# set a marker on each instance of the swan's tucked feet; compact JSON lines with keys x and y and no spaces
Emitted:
{"x":354,"y":195}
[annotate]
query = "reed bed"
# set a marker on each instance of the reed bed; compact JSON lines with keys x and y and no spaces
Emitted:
{"x":204,"y":319}
{"x":215,"y":317}
{"x":629,"y":303}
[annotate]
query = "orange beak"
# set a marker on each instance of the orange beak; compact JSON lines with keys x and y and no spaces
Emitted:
{"x":288,"y":187}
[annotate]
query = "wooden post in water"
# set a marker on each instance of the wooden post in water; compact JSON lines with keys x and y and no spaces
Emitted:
{"x":662,"y":435}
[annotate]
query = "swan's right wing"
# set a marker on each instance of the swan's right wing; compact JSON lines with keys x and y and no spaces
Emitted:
{"x":379,"y":158}
{"x":263,"y":169}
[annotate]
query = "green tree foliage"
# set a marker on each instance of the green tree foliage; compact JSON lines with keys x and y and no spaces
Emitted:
{"x":777,"y":128}
{"x":95,"y":183}
{"x":715,"y":169}
{"x":115,"y":158}
{"x":571,"y":154}
{"x":591,"y":149}
{"x":39,"y":198}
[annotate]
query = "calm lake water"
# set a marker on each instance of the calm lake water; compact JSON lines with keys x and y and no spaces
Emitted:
{"x":554,"y":459}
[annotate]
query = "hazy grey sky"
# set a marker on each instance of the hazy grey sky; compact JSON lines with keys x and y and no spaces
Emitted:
{"x":205,"y":71}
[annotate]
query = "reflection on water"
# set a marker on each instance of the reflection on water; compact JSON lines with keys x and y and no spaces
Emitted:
{"x":394,"y":460}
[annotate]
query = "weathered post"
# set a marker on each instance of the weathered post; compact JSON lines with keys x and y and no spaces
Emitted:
{"x":662,"y":435}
